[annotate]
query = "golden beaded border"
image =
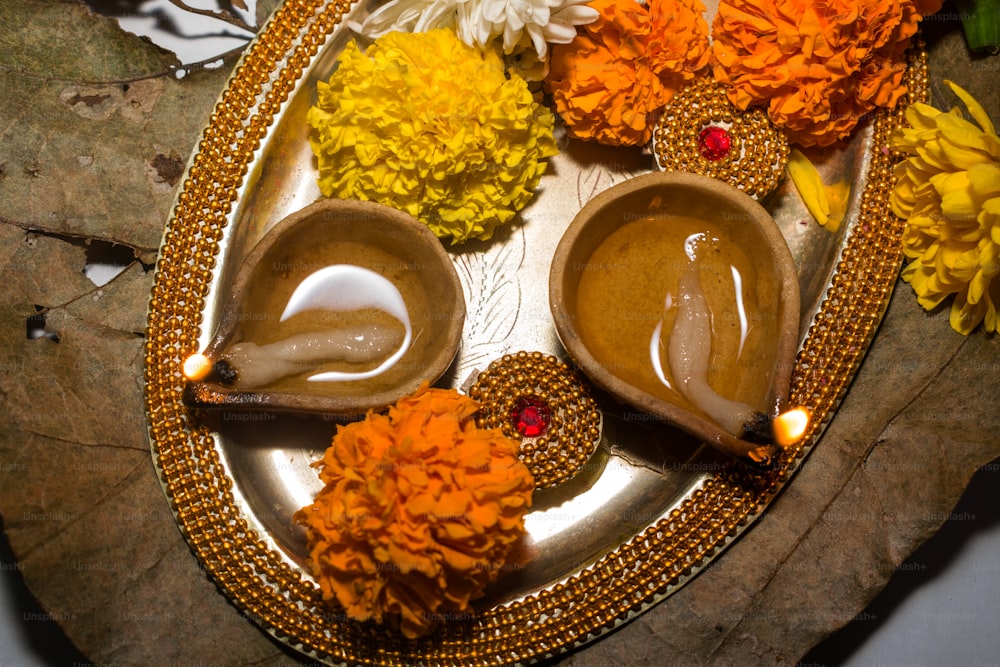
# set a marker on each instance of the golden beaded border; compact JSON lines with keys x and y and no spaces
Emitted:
{"x":634,"y":577}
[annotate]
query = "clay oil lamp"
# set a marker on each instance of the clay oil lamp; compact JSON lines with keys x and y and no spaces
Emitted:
{"x":341,"y":307}
{"x":678,"y":295}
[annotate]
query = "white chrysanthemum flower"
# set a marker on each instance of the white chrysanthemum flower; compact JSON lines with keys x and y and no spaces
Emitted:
{"x":522,"y":23}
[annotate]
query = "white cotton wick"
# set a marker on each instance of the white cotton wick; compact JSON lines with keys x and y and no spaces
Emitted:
{"x":259,"y":365}
{"x":689,"y":353}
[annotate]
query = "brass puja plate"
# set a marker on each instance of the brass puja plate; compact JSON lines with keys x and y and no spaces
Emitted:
{"x":649,"y":510}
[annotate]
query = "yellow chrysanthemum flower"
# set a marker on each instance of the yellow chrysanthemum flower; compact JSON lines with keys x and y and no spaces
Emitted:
{"x":948,"y":191}
{"x":426,"y":124}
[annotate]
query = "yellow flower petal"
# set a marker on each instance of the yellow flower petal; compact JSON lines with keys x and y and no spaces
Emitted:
{"x":990,"y":320}
{"x":978,"y":287}
{"x":966,"y":316}
{"x":809,"y":184}
{"x":989,"y":219}
{"x":838,"y":194}
{"x":974,"y":107}
{"x":989,"y":259}
{"x":826,"y":204}
{"x":984,"y":179}
{"x":956,"y":195}
{"x":921,"y":118}
{"x":932,"y":154}
{"x":961,"y":143}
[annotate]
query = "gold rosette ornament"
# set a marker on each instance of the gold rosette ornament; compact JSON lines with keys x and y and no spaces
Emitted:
{"x":700,"y":131}
{"x":539,"y":399}
{"x":419,"y":510}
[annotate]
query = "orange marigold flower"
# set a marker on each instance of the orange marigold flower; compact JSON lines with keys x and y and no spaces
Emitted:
{"x":419,"y":510}
{"x":608,"y":83}
{"x":819,"y":66}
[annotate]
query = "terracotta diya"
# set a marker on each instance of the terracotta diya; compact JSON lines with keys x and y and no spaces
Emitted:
{"x":341,"y":307}
{"x":678,"y":294}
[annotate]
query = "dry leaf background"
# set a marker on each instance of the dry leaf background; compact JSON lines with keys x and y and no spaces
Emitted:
{"x":95,"y":130}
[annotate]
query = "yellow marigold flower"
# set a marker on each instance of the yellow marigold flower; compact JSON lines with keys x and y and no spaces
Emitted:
{"x":948,"y":191}
{"x":426,"y":124}
{"x":418,"y":512}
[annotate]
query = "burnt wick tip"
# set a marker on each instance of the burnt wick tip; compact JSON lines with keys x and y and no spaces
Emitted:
{"x":225,"y":372}
{"x":757,"y":429}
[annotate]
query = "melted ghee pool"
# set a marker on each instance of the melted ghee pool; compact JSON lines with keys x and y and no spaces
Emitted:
{"x":626,"y":305}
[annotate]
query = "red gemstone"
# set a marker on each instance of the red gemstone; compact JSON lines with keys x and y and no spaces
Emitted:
{"x":530,"y":417}
{"x":714,"y":142}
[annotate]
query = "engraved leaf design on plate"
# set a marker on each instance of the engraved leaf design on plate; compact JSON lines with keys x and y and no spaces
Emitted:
{"x":599,"y":177}
{"x":489,"y":277}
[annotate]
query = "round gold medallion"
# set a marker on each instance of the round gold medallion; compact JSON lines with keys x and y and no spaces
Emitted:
{"x":702,"y":132}
{"x":539,"y":400}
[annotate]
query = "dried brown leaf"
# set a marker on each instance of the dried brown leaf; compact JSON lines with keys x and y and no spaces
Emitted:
{"x":264,"y":10}
{"x":66,"y":40}
{"x":95,"y":130}
{"x":96,"y":126}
